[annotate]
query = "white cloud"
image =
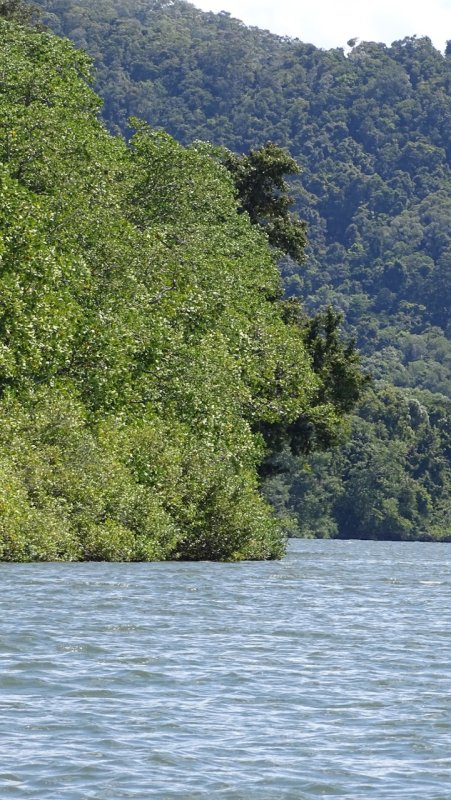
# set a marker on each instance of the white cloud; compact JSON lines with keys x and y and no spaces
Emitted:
{"x":330,"y":23}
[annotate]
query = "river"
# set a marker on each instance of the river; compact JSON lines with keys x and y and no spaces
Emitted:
{"x":325,"y":675}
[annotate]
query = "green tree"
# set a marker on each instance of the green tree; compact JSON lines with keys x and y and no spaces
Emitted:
{"x":259,"y":178}
{"x":17,"y":10}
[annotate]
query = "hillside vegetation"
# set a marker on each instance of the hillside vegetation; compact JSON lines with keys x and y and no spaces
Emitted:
{"x":371,"y":133}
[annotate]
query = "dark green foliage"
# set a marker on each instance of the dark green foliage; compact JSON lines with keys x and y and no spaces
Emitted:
{"x":392,"y":480}
{"x":336,"y":362}
{"x":259,"y":178}
{"x":19,"y":11}
{"x":341,"y":385}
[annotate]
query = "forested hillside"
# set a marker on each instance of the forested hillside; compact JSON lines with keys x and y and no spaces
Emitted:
{"x":371,"y":131}
{"x":147,"y":360}
{"x":370,"y":128}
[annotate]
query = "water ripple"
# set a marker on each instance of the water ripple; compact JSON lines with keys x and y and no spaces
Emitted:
{"x":325,"y":675}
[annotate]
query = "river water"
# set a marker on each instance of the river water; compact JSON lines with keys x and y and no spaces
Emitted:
{"x":327,"y":674}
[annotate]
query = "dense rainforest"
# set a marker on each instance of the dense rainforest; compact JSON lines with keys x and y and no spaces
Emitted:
{"x":369,"y":126}
{"x":152,"y":329}
{"x":149,"y":365}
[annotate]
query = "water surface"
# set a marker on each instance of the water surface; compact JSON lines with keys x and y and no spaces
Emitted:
{"x":324,"y":675}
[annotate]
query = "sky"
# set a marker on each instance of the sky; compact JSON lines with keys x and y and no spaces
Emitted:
{"x":330,"y":23}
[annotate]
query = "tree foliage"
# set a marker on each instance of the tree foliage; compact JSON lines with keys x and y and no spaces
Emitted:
{"x":391,"y":480}
{"x":260,"y":180}
{"x":369,"y":131}
{"x":142,"y":348}
{"x":19,"y":11}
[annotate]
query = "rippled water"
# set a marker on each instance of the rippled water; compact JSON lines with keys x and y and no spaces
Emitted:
{"x":324,"y":675}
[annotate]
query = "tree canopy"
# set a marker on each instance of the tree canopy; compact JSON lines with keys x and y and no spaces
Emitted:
{"x":144,"y":344}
